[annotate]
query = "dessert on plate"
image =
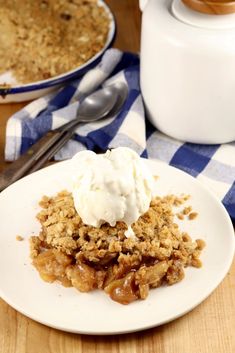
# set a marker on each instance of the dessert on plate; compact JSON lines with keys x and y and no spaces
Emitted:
{"x":110,"y":232}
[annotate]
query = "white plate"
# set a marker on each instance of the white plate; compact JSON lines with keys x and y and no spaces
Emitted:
{"x":95,"y":313}
{"x":25,"y":92}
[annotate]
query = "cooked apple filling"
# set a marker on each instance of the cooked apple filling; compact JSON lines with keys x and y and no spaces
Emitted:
{"x":88,"y":258}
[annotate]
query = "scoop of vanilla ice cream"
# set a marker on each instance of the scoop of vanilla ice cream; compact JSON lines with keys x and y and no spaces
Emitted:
{"x":111,"y":187}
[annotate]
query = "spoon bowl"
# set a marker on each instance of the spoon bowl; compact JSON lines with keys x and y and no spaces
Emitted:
{"x":101,"y":104}
{"x":122,"y":91}
{"x":97,"y":105}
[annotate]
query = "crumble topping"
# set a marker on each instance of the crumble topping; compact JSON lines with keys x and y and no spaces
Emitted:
{"x":19,"y":238}
{"x":45,"y":38}
{"x":88,"y":258}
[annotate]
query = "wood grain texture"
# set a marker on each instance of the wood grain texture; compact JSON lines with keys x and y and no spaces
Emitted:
{"x":212,"y":7}
{"x":209,"y":327}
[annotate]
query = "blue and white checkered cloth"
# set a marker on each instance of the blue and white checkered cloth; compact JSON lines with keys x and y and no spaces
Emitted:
{"x":213,"y":165}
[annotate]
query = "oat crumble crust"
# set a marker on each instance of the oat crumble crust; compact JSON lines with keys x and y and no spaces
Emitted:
{"x":88,"y":258}
{"x":19,"y":238}
{"x":44,"y":38}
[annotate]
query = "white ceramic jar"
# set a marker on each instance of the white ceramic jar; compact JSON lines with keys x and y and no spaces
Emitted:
{"x":188,"y":71}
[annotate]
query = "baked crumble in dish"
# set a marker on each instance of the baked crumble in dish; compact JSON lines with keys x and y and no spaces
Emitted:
{"x":45,"y":38}
{"x":89,"y":258}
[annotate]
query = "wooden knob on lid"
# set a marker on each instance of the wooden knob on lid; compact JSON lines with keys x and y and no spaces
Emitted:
{"x":212,"y":7}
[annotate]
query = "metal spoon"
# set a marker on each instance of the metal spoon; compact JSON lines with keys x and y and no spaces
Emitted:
{"x":101,"y":104}
{"x":122,"y":92}
{"x":94,"y":107}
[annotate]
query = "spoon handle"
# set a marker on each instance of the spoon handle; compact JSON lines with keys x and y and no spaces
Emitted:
{"x":25,"y":162}
{"x":52,"y":151}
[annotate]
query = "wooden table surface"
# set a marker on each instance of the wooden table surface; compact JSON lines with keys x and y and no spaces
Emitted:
{"x":209,"y":327}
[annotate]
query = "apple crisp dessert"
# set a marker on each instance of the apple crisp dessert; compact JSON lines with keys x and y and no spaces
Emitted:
{"x":89,"y":258}
{"x":45,"y":38}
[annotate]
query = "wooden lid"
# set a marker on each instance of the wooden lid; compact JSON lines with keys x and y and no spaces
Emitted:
{"x":212,"y":7}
